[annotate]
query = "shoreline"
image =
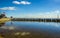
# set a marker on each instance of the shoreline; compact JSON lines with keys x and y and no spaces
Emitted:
{"x":2,"y":20}
{"x":36,"y":20}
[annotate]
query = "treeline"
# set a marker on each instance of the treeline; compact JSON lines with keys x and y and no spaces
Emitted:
{"x":3,"y":16}
{"x":38,"y":19}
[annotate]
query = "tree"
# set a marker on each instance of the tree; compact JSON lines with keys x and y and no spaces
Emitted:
{"x":2,"y":16}
{"x":11,"y":17}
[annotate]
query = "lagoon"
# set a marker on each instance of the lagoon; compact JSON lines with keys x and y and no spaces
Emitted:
{"x":21,"y":29}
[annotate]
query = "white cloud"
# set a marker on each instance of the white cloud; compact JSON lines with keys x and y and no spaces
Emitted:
{"x":7,"y":8}
{"x":22,"y":2}
{"x":51,"y":14}
{"x":16,"y":2}
{"x":55,"y":12}
{"x":25,"y":2}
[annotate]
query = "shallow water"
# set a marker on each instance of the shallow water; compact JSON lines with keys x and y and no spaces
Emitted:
{"x":19,"y":29}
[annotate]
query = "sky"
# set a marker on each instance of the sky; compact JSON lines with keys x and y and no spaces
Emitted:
{"x":30,"y":8}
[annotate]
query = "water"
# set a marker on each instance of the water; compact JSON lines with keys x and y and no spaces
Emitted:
{"x":19,"y":29}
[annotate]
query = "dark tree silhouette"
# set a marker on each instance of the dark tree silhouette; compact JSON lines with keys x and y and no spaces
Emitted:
{"x":11,"y":17}
{"x":3,"y":15}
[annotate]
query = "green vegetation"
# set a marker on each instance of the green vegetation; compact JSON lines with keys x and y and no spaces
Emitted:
{"x":3,"y":15}
{"x":3,"y":18}
{"x":36,"y":19}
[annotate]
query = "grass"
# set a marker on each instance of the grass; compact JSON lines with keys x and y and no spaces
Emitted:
{"x":2,"y":20}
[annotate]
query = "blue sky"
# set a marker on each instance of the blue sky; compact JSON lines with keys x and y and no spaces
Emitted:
{"x":30,"y":8}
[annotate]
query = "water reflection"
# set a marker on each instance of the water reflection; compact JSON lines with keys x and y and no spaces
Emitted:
{"x":16,"y":29}
{"x":9,"y":31}
{"x":22,"y":33}
{"x":8,"y":27}
{"x":2,"y":24}
{"x":1,"y":33}
{"x":11,"y":22}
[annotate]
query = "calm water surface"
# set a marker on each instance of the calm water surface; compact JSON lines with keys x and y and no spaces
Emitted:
{"x":17,"y":29}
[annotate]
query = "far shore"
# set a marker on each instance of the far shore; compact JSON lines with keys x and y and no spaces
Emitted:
{"x":36,"y":19}
{"x":29,"y":19}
